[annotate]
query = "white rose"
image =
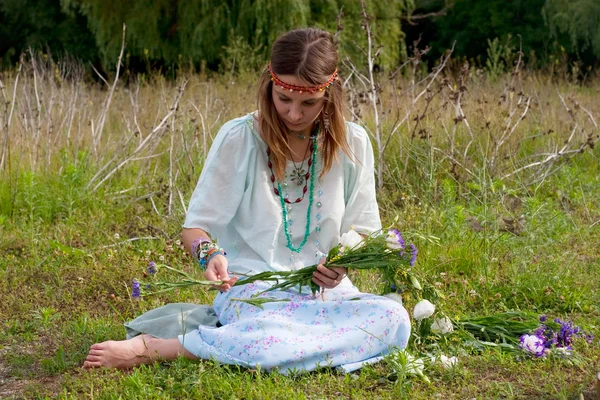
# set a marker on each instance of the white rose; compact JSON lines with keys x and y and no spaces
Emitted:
{"x":394,"y":296}
{"x":442,"y":326}
{"x":414,"y":366}
{"x":351,"y":240}
{"x":423,"y":309}
{"x":448,"y":362}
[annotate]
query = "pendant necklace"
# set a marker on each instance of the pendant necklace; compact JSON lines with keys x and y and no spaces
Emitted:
{"x":279,"y":192}
{"x":298,"y":174}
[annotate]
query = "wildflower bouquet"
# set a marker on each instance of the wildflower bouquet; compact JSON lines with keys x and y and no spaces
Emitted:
{"x":384,"y":250}
{"x":555,"y":337}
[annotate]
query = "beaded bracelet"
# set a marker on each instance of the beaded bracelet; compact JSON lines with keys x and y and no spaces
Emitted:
{"x":204,"y":250}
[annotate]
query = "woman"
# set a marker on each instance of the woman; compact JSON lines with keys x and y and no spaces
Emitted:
{"x":277,"y":189}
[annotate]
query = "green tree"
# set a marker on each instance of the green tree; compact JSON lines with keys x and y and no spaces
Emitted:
{"x":199,"y":30}
{"x":470,"y":23}
{"x":579,"y":20}
{"x":40,"y":24}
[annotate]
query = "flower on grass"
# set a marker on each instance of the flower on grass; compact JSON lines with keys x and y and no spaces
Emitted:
{"x":533,"y":344}
{"x":394,"y":296}
{"x":152,"y":268}
{"x":423,"y":309}
{"x":442,"y":326}
{"x":414,"y":366}
{"x":448,"y":362}
{"x":394,"y":240}
{"x":563,"y":351}
{"x":351,"y":239}
{"x":413,"y":257}
{"x":136,"y":291}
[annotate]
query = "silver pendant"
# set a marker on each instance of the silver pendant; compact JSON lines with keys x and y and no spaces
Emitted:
{"x":298,"y":176}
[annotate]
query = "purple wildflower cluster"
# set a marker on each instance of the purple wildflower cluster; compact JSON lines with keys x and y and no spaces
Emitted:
{"x":396,"y":242}
{"x":152,"y":268}
{"x":545,"y":338}
{"x":136,"y":290}
{"x":413,"y":257}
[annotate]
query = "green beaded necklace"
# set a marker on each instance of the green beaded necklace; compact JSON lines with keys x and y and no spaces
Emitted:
{"x":310,"y":202}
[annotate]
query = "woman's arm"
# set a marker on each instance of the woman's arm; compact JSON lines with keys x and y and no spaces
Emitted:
{"x":189,"y":235}
{"x":216,"y":270}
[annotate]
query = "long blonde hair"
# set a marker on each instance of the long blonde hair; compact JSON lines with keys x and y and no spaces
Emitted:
{"x":311,"y":55}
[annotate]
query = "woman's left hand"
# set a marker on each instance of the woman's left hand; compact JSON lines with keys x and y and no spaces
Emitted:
{"x":328,"y":278}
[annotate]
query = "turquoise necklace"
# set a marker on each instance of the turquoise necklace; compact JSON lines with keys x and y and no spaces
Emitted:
{"x":310,"y":202}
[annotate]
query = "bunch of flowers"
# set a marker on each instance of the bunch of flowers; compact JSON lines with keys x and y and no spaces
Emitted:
{"x":558,"y":337}
{"x":384,"y":250}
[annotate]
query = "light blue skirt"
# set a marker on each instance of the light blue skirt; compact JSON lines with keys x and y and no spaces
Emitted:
{"x":345,"y":329}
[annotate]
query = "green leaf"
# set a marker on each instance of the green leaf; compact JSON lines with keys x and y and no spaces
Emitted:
{"x":67,"y":249}
{"x":415,"y":282}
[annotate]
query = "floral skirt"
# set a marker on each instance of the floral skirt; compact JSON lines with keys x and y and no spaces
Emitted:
{"x":343,"y":328}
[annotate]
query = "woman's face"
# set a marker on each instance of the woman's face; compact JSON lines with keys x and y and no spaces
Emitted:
{"x":297,"y":110}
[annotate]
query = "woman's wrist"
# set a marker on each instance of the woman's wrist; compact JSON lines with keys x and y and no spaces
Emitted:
{"x":204,"y":250}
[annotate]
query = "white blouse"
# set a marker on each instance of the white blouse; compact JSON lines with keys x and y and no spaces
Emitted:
{"x":235,"y":203}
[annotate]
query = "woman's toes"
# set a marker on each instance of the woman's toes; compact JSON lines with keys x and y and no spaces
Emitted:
{"x":99,"y":346}
{"x":94,"y":352}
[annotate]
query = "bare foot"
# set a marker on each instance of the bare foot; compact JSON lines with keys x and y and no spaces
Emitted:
{"x":121,"y":354}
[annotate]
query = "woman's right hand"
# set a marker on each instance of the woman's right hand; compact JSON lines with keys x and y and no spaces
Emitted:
{"x":216,"y":270}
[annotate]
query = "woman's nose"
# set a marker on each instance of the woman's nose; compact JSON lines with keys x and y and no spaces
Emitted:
{"x":295,"y":113}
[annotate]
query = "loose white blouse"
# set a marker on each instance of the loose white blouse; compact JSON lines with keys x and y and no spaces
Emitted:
{"x":235,"y":203}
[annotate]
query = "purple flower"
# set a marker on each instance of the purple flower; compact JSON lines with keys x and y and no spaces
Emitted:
{"x":413,"y":257}
{"x":533,"y":344}
{"x":540,"y":331}
{"x":560,"y":339}
{"x":152,"y":268}
{"x":589,"y":338}
{"x":394,"y":240}
{"x":136,"y":292}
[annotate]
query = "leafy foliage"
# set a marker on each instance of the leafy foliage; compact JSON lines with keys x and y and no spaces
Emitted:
{"x":42,"y":24}
{"x":167,"y":34}
{"x":579,"y":20}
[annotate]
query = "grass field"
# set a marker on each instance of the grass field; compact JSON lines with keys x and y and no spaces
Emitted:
{"x":94,"y":185}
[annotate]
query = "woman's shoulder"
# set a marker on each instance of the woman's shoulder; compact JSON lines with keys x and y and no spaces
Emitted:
{"x":357,"y":137}
{"x":241,"y":126}
{"x":237,"y":132}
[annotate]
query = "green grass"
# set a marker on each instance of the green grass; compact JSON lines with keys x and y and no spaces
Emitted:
{"x":68,"y":255}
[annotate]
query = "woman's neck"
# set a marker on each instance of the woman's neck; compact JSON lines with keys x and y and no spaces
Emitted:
{"x":304,"y":134}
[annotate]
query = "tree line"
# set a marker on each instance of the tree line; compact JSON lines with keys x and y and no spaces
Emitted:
{"x":235,"y":35}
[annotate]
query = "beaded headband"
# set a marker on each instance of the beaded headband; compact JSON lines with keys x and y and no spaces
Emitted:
{"x":301,"y":89}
